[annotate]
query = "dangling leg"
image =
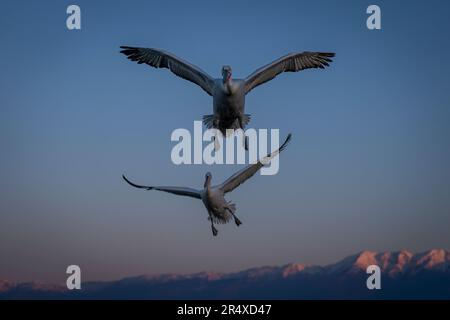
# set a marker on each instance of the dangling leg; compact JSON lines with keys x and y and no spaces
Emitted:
{"x":216,"y":123}
{"x":214,"y":230}
{"x":242,"y":126}
{"x":216,"y":141}
{"x":215,"y":138}
{"x":236,"y":220}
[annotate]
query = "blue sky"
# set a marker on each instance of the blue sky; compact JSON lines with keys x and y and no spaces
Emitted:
{"x":368,"y":166}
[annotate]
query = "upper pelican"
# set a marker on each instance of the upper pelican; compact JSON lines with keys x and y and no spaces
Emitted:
{"x":213,"y":197}
{"x":228,"y":93}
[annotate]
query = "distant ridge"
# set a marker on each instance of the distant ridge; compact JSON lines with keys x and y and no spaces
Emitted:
{"x":405,"y":275}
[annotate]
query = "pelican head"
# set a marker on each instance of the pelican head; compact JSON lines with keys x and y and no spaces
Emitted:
{"x":208,"y":177}
{"x":226,"y":74}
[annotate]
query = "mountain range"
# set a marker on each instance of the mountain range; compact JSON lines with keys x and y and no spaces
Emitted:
{"x":404,"y":275}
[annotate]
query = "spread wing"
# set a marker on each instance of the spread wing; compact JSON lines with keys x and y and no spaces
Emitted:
{"x":292,"y":62}
{"x":162,"y":59}
{"x":181,"y":191}
{"x":241,"y":176}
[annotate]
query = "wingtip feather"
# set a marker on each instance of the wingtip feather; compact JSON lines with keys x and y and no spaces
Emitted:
{"x":286,"y":142}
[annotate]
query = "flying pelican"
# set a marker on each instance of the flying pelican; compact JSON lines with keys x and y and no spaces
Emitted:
{"x":213,"y":197}
{"x":228,"y":94}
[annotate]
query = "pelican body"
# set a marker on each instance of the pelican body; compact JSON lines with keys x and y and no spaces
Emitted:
{"x":213,"y":197}
{"x":228,"y":104}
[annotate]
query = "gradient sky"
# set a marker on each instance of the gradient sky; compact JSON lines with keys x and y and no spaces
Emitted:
{"x":368,"y":166}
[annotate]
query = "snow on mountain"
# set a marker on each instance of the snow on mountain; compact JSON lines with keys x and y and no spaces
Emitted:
{"x":394,"y":263}
{"x":436,"y":259}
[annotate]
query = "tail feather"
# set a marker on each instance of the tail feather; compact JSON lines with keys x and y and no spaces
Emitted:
{"x":231,"y":207}
{"x":225,"y":216}
{"x":208,"y":121}
{"x":246,"y":119}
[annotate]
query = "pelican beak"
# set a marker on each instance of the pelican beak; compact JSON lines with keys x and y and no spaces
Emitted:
{"x":207,"y":179}
{"x":226,"y":76}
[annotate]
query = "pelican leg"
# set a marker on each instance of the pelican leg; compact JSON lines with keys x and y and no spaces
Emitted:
{"x":242,"y":126}
{"x":236,"y":219}
{"x":216,"y":123}
{"x":216,"y":142}
{"x":214,"y":230}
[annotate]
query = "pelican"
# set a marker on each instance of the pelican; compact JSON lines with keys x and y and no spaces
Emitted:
{"x":228,"y":93}
{"x":213,"y":197}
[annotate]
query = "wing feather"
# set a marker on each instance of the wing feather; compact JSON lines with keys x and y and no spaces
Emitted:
{"x":162,"y":59}
{"x":241,"y":176}
{"x":181,"y":191}
{"x":289,"y":63}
